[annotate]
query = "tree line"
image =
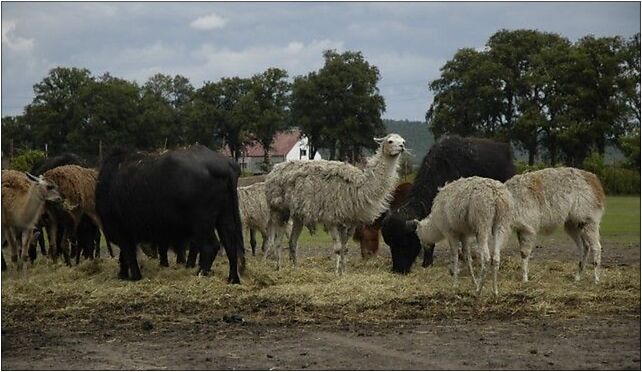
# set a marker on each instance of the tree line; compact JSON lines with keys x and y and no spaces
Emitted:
{"x":338,"y":107}
{"x":554,"y":99}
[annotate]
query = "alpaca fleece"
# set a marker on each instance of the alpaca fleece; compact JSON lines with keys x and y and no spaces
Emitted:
{"x":553,"y":197}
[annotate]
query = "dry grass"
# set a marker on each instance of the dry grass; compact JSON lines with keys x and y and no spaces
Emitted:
{"x":90,"y":295}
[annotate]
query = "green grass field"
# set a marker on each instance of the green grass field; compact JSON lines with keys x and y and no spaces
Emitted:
{"x":621,"y":223}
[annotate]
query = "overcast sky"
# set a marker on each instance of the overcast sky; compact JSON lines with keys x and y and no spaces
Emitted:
{"x":409,"y":42}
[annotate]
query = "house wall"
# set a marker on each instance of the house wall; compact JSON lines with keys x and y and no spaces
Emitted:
{"x":295,"y":151}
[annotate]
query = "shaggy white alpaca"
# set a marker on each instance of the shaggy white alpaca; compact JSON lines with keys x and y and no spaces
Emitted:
{"x":338,"y":195}
{"x":474,"y":206}
{"x":552,"y":197}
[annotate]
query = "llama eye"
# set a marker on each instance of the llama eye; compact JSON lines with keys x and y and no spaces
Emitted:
{"x":389,"y":141}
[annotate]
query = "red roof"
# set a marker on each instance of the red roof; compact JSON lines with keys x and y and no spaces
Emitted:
{"x":283,"y":143}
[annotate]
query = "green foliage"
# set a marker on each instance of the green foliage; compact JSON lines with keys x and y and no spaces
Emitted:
{"x":339,"y":107}
{"x":630,"y":146}
{"x":26,"y":160}
{"x":615,"y":180}
{"x":541,"y":91}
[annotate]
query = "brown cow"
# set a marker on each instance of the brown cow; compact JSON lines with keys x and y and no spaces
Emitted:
{"x":368,"y":235}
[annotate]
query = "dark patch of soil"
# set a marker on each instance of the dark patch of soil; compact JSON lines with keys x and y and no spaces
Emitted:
{"x":588,"y":343}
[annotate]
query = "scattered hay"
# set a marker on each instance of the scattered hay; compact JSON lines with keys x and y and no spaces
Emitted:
{"x":90,"y":294}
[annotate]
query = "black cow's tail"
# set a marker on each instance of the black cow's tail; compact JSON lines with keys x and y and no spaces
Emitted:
{"x":238,"y":234}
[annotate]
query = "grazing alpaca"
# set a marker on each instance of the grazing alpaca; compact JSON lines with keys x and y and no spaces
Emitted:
{"x":77,"y":186}
{"x":473,"y":206}
{"x":23,"y":202}
{"x":338,"y":195}
{"x":552,"y":197}
{"x":368,"y":235}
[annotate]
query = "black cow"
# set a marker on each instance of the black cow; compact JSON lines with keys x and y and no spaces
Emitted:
{"x":171,"y":199}
{"x":447,"y":160}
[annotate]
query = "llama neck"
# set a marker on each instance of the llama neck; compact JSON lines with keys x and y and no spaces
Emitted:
{"x":380,"y":180}
{"x":428,"y":232}
{"x":32,"y":207}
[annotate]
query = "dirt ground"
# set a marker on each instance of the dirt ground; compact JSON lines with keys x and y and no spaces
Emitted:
{"x":594,"y":341}
{"x":542,"y":344}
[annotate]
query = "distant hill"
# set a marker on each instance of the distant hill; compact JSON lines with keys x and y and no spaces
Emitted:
{"x":418,"y":137}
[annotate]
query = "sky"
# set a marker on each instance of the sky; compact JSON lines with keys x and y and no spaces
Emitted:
{"x":408,"y":42}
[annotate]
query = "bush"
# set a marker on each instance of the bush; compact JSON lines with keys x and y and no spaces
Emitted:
{"x":616,"y":180}
{"x":26,"y":160}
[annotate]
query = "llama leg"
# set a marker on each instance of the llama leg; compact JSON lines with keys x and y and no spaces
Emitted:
{"x":13,"y":244}
{"x":575,"y":234}
{"x":501,"y":236}
{"x":453,"y":243}
{"x":297,"y":227}
{"x":336,"y":246}
{"x":53,"y":241}
{"x":591,"y":237}
{"x":482,"y":242}
{"x":469,"y":260}
{"x":264,"y":236}
{"x":345,"y":233}
{"x":526,"y":241}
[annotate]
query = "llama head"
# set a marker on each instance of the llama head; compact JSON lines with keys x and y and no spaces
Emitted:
{"x":392,"y":144}
{"x":47,"y":190}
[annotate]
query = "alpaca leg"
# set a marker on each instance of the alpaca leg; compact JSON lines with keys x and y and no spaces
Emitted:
{"x":25,"y":241}
{"x":264,"y":236}
{"x":526,"y":241}
{"x":574,"y":232}
{"x":336,"y":246}
{"x":453,"y":243}
{"x":482,"y":242}
{"x":469,"y":260}
{"x":591,"y":237}
{"x":297,"y":228}
{"x":346,"y":233}
{"x":13,"y":244}
{"x":499,"y":240}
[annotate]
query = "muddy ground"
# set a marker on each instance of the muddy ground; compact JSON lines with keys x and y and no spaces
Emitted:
{"x":595,"y":341}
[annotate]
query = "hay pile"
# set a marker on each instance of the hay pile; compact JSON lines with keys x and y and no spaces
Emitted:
{"x":90,"y":294}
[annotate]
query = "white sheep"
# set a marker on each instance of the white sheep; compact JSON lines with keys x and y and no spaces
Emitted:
{"x":338,"y":195}
{"x":473,"y":206}
{"x":23,"y":203}
{"x":552,"y":197}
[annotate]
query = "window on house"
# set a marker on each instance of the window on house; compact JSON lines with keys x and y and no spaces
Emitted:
{"x":303,"y":153}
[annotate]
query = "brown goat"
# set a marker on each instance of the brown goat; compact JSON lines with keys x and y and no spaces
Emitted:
{"x":23,"y":202}
{"x":368,"y":235}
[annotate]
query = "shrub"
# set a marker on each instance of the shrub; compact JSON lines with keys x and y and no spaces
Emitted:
{"x":26,"y":160}
{"x":617,"y":180}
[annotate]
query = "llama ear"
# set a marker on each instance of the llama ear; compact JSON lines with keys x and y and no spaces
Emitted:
{"x":379,"y":140}
{"x":411,"y":226}
{"x":31,"y":177}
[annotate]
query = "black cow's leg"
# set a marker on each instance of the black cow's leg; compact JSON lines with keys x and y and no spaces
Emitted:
{"x":123,"y":273}
{"x":132,"y":261}
{"x":4,"y":264}
{"x":162,"y":254}
{"x":253,"y":241}
{"x":180,"y":254}
{"x":428,"y":255}
{"x":231,"y":250}
{"x":191,"y":256}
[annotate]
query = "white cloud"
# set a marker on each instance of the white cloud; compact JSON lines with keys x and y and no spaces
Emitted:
{"x":12,"y":41}
{"x":209,"y":22}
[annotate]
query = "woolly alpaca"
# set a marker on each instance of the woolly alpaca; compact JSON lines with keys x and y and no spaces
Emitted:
{"x":255,"y":214}
{"x":77,"y":186}
{"x":473,"y":206}
{"x":337,"y":194}
{"x":23,"y":202}
{"x":549,"y":198}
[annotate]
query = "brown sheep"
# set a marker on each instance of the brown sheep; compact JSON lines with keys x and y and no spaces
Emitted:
{"x":77,"y":186}
{"x":23,"y":202}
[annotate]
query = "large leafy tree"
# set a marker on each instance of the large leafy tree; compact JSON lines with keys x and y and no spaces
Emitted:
{"x":339,"y":106}
{"x":213,"y":114}
{"x":265,"y":108}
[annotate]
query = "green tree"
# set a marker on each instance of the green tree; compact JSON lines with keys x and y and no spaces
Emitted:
{"x":16,"y":129}
{"x":348,"y":105}
{"x":265,"y":108}
{"x":54,"y":112}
